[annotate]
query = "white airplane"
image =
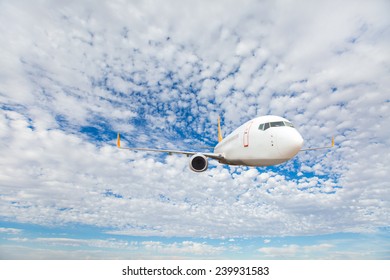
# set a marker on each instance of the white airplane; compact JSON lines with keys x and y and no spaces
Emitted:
{"x":263,"y":141}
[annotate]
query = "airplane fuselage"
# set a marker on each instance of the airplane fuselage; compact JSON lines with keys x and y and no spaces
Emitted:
{"x":263,"y":141}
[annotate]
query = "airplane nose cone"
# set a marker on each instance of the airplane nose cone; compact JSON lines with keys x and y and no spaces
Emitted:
{"x":289,"y":143}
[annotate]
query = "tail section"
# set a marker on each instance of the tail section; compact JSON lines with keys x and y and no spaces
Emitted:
{"x":219,"y":130}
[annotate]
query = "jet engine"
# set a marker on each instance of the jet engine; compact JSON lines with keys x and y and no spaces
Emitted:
{"x":198,"y":163}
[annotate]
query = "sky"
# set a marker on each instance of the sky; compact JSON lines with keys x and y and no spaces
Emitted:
{"x":74,"y":73}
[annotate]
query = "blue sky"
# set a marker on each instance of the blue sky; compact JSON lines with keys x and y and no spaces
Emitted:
{"x":75,"y":73}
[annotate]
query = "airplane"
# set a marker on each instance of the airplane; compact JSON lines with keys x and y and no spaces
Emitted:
{"x":263,"y":141}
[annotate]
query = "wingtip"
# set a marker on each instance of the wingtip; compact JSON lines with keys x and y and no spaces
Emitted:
{"x":118,"y":140}
{"x":219,"y":130}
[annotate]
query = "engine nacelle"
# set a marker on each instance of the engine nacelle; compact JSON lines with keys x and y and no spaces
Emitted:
{"x":198,"y":163}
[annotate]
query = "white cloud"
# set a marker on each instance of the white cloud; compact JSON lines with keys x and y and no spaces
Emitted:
{"x":57,"y":248}
{"x":162,"y":75}
{"x":10,"y":230}
{"x":183,"y":248}
{"x":294,"y":251}
{"x":96,"y":243}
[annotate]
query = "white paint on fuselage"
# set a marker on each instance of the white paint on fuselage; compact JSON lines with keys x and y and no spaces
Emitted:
{"x":272,"y":146}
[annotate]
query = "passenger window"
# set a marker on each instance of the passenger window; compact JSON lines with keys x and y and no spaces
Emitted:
{"x":266,"y":126}
{"x":261,"y":127}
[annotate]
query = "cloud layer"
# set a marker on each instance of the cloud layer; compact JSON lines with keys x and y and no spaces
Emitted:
{"x":74,"y":74}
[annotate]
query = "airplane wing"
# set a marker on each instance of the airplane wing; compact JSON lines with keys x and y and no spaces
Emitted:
{"x":320,"y":148}
{"x":187,"y":153}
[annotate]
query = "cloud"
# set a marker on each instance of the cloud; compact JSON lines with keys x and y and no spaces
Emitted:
{"x":13,"y":231}
{"x":161,"y":76}
{"x":294,"y":251}
{"x":95,"y":243}
{"x":58,"y":247}
{"x":183,"y":248}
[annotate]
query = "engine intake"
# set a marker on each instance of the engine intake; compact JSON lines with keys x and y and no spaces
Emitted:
{"x":198,"y":163}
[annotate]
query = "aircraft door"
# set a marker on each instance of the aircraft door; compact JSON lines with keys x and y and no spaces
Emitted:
{"x":246,"y":134}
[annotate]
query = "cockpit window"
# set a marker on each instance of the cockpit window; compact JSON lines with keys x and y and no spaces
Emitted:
{"x":261,"y":127}
{"x":277,"y":124}
{"x":265,"y":126}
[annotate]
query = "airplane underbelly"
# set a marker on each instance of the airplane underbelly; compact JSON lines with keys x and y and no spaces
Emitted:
{"x":254,"y":156}
{"x":256,"y":162}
